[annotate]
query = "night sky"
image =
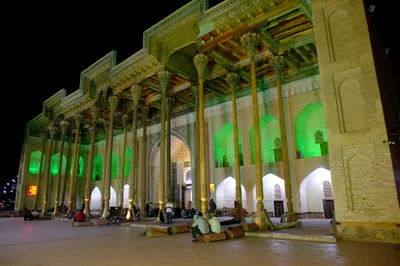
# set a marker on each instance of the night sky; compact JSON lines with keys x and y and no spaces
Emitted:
{"x":45,"y":48}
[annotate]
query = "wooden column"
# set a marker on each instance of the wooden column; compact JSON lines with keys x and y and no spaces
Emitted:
{"x":136,"y":91}
{"x":44,"y":138}
{"x":71,"y":203}
{"x":88,"y":185}
{"x":277,"y":65}
{"x":249,"y":41}
{"x":196,"y":172}
{"x":233,"y":81}
{"x":145,"y":110}
{"x":200,"y":62}
{"x":67,"y":167}
{"x":168,"y":182}
{"x":64,"y":125}
{"x":52,"y":130}
{"x":113,"y":101}
{"x":125,"y":118}
{"x":164,"y":77}
{"x":106,"y":125}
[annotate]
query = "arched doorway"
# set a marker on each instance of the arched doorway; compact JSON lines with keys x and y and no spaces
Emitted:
{"x":126,"y":196}
{"x":226,"y":194}
{"x":113,"y":197}
{"x":95,"y":200}
{"x":316,"y":194}
{"x":274,"y":195}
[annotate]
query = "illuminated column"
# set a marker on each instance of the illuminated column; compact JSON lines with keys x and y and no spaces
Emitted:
{"x":145,"y":111}
{"x":113,"y":101}
{"x":277,"y":65}
{"x":71,"y":203}
{"x":52,"y":131}
{"x":106,"y":125}
{"x":196,"y":178}
{"x":64,"y":125}
{"x":136,"y":91}
{"x":44,"y":138}
{"x":164,"y":77}
{"x":67,"y":168}
{"x":88,"y":185}
{"x":125,"y":118}
{"x":200,"y":62}
{"x":249,"y":41}
{"x":168,"y":183}
{"x":233,"y":81}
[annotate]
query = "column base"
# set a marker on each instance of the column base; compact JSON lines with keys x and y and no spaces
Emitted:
{"x":370,"y":232}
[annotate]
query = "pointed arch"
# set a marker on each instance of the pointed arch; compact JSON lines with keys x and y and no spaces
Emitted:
{"x":113,"y":197}
{"x":224,"y":153}
{"x":34,"y":162}
{"x":128,"y":155}
{"x":95,"y":199}
{"x":126,"y":196}
{"x":55,"y":162}
{"x":271,"y":183}
{"x":226,"y":194}
{"x":97,"y":168}
{"x":80,"y":166}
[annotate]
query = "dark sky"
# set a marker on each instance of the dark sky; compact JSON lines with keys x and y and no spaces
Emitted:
{"x":45,"y":48}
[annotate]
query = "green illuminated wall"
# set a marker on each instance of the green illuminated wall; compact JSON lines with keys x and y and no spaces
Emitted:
{"x":114,"y":166}
{"x":128,"y":156}
{"x":269,"y":131}
{"x":224,"y":153}
{"x":307,"y":123}
{"x":34,"y":162}
{"x":80,"y":166}
{"x":55,"y":162}
{"x":97,"y":168}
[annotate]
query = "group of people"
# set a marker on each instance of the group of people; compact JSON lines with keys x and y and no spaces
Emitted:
{"x":203,"y":227}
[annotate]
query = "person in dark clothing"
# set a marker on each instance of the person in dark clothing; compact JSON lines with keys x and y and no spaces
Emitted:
{"x":213,"y":206}
{"x":147,"y":209}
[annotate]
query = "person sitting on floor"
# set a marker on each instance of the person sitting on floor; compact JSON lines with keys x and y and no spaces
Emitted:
{"x":215,"y":224}
{"x":80,"y":216}
{"x":200,"y":226}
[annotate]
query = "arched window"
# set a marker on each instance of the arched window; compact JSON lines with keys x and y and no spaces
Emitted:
{"x":327,"y":189}
{"x":278,"y":191}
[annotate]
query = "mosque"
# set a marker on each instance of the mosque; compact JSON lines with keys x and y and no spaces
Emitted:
{"x":273,"y":104}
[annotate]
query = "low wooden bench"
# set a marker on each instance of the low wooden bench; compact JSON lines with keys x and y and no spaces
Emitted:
{"x":99,"y":222}
{"x":85,"y":223}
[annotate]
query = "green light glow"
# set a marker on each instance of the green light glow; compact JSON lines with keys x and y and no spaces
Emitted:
{"x":80,"y":166}
{"x":307,"y":123}
{"x":97,"y":168}
{"x":224,"y":154}
{"x":113,"y":166}
{"x":55,"y":162}
{"x":128,"y":156}
{"x":34,"y":162}
{"x":269,"y":131}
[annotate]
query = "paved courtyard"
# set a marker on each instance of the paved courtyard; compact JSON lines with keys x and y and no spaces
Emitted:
{"x":57,"y":243}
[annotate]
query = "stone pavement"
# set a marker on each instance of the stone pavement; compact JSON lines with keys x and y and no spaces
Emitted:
{"x":56,"y":242}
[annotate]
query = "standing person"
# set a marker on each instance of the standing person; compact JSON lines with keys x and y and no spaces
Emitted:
{"x":200,"y":226}
{"x":213,"y":206}
{"x":147,"y":209}
{"x":169,"y":207}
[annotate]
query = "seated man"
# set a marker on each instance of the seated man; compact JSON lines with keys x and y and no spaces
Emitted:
{"x":80,"y":216}
{"x":215,"y":224}
{"x":27,"y":214}
{"x":200,"y":226}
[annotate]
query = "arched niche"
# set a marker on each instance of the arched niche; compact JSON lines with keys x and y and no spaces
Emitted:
{"x":310,"y":132}
{"x":113,"y":197}
{"x":224,"y":154}
{"x":126,"y":196}
{"x":80,"y":166}
{"x":269,"y":132}
{"x":113,"y":166}
{"x":97,"y":168}
{"x":226,"y":194}
{"x":95,"y":199}
{"x":55,"y":162}
{"x":271,"y":183}
{"x":34,"y":162}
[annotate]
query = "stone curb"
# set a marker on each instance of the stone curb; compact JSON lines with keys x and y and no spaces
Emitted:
{"x":323,"y":239}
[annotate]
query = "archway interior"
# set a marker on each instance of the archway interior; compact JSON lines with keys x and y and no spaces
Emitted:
{"x":226,"y":194}
{"x":271,"y":183}
{"x":55,"y":162}
{"x":126,"y":196}
{"x":34,"y":162}
{"x":95,"y":200}
{"x":97,"y":168}
{"x":224,"y":153}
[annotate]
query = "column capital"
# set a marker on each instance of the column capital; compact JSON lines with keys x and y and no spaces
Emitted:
{"x":233,"y":80}
{"x":164,"y":77}
{"x":200,"y":62}
{"x":64,"y":125}
{"x":249,"y":40}
{"x":145,"y":111}
{"x":52,"y":130}
{"x":125,"y":119}
{"x":113,"y":101}
{"x":136,"y":91}
{"x":78,"y":120}
{"x":277,"y":64}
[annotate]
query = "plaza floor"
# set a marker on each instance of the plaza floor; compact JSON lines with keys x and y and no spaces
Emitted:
{"x":55,"y":242}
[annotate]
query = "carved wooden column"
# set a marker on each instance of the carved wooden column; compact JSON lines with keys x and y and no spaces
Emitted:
{"x":145,"y":111}
{"x":52,"y":131}
{"x":136,"y":91}
{"x":249,"y":41}
{"x":200,"y":62}
{"x":168,"y":182}
{"x":64,"y":125}
{"x":164,"y":77}
{"x":277,"y":65}
{"x":106,"y":125}
{"x":88,"y":185}
{"x":71,"y":203}
{"x":125,"y":118}
{"x":233,"y":81}
{"x":44,"y":138}
{"x":67,"y":167}
{"x":196,"y":172}
{"x":113,"y":101}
